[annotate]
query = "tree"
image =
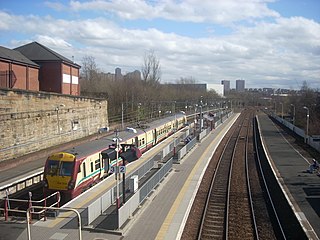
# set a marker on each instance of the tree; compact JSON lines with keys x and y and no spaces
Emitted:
{"x":151,"y":70}
{"x":89,"y":69}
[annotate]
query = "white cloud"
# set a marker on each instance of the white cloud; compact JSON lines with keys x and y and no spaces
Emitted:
{"x":55,"y":5}
{"x":267,"y":53}
{"x":218,"y":11}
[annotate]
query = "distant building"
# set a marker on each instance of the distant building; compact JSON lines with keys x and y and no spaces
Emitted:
{"x":17,"y":71}
{"x":118,"y":74}
{"x":57,"y":73}
{"x":218,"y":88}
{"x":189,"y":86}
{"x":226,"y":86}
{"x":135,"y":75}
{"x":240,"y":85}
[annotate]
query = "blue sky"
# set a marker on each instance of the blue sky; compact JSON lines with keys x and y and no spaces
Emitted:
{"x":268,"y":43}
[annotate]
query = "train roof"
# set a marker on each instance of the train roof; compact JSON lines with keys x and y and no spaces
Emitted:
{"x":100,"y":144}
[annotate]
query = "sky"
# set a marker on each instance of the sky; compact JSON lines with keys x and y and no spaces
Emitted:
{"x":268,"y":43}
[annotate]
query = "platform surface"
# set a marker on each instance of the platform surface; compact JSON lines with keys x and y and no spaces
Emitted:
{"x":301,"y":187}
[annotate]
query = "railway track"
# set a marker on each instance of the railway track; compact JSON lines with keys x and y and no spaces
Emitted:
{"x":227,"y":199}
{"x":232,"y":191}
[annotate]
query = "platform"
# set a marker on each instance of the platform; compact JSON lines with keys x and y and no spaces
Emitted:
{"x":301,"y":188}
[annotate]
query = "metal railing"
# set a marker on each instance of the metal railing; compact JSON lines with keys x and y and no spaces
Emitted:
{"x":7,"y":204}
{"x":53,"y":208}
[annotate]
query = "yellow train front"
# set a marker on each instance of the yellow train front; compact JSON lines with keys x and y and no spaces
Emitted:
{"x":65,"y":173}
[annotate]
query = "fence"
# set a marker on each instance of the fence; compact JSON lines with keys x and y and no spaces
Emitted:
{"x":127,"y":210}
{"x":310,"y":140}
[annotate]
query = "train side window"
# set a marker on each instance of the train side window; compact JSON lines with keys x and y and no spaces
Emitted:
{"x":84,"y":169}
{"x":97,"y":164}
{"x":102,"y":162}
{"x":91,"y":165}
{"x":142,"y":141}
{"x":79,"y":170}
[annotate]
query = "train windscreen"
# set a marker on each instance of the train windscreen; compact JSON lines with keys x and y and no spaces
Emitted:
{"x":55,"y":168}
{"x":66,"y":168}
{"x":52,"y":167}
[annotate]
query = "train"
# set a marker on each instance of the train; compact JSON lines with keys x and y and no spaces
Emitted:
{"x":75,"y":170}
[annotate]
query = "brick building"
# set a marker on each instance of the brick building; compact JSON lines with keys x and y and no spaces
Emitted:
{"x":57,"y":73}
{"x":17,"y":71}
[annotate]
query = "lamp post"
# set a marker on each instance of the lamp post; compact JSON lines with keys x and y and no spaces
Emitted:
{"x":117,"y":169}
{"x":305,"y":138}
{"x":122,"y":120}
{"x":139,"y":105}
{"x":195,"y":119}
{"x":174,"y":112}
{"x":281,"y":110}
{"x":294,"y":114}
{"x":117,"y":139}
{"x":201,"y":113}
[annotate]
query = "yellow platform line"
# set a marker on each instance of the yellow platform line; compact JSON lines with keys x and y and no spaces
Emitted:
{"x":166,"y":224}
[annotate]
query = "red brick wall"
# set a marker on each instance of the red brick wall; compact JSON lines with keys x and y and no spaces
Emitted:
{"x":33,"y":79}
{"x":20,"y":73}
{"x":50,"y":77}
{"x":22,"y":77}
{"x":4,"y":68}
{"x":69,"y":86}
{"x":76,"y":87}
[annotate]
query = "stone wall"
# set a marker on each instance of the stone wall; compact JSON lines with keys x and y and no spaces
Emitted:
{"x":32,"y":121}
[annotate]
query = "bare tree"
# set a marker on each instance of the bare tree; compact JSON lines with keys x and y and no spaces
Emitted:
{"x":89,"y":68}
{"x":189,"y":80}
{"x":151,"y":70}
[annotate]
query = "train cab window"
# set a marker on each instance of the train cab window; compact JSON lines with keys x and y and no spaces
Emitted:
{"x":91,"y":165}
{"x":66,"y":168}
{"x":52,"y":167}
{"x":97,"y":164}
{"x":84,"y":169}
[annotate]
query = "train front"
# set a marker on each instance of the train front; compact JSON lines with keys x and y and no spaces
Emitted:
{"x":60,"y":174}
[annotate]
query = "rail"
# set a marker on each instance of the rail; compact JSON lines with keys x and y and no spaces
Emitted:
{"x":21,"y":184}
{"x":53,"y":208}
{"x":232,"y":199}
{"x":8,"y":202}
{"x":216,"y":202}
{"x":265,"y":185}
{"x":254,"y":222}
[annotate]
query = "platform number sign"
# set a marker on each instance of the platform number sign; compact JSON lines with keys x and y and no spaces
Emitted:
{"x":122,"y":169}
{"x":119,"y":169}
{"x":112,"y":169}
